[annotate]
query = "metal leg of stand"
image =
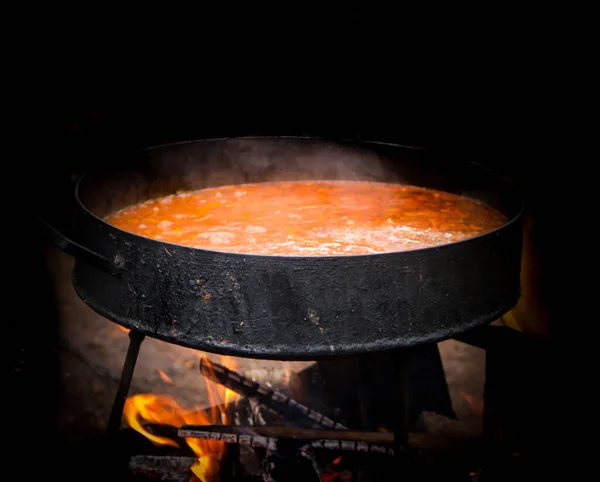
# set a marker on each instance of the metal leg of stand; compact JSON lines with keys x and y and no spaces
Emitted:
{"x":135,"y":340}
{"x":370,"y":400}
{"x":365,"y":391}
{"x":365,"y":365}
{"x":402,"y":403}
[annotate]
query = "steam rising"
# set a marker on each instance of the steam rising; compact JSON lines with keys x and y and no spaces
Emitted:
{"x":195,"y":165}
{"x":238,"y":161}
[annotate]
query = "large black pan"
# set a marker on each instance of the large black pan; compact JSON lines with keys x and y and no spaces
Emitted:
{"x":290,"y":307}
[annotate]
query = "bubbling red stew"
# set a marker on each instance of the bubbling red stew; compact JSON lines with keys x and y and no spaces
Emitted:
{"x":310,"y":218}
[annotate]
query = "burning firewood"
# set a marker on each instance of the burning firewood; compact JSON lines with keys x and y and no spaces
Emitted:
{"x":301,"y":467}
{"x":268,"y":443}
{"x":273,"y":400}
{"x":291,"y":432}
{"x":269,"y":437}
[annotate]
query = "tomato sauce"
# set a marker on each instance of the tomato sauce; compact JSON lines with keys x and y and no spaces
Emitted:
{"x":310,"y":218}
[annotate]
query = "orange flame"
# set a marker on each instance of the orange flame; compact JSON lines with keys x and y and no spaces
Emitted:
{"x":163,"y":409}
{"x":122,"y":328}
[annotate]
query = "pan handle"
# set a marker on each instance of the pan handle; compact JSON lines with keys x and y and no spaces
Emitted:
{"x":111,"y":266}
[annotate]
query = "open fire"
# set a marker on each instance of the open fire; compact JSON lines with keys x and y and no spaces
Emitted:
{"x":277,"y":431}
{"x":143,"y":409}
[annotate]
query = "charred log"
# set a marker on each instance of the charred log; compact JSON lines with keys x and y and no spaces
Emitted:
{"x":290,"y":433}
{"x":271,"y":399}
{"x":163,"y":469}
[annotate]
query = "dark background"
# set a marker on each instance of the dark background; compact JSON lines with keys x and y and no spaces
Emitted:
{"x":486,"y":94}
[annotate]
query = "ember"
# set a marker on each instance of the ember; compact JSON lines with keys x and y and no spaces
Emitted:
{"x":164,"y":376}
